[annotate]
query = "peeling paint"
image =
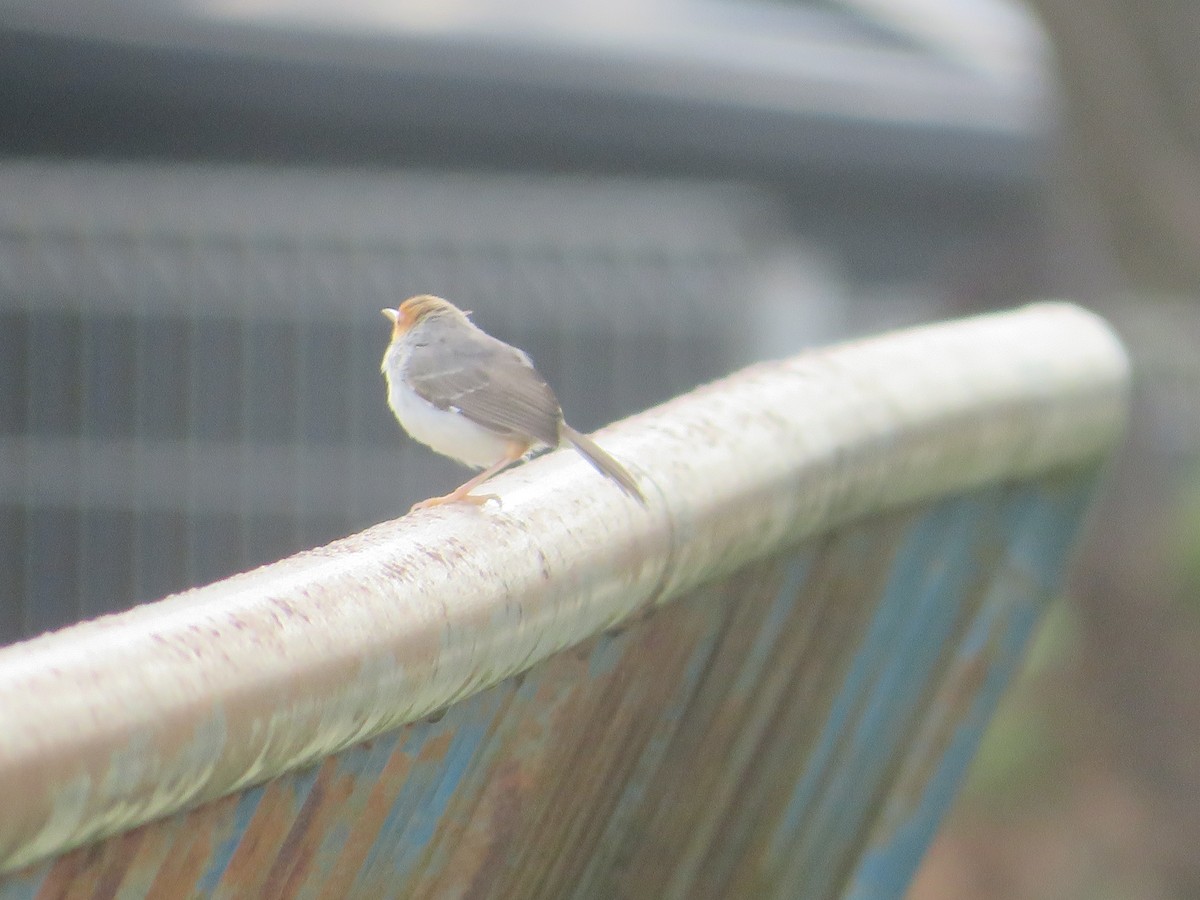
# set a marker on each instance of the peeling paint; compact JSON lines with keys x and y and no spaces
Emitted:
{"x":718,"y":733}
{"x":705,"y":751}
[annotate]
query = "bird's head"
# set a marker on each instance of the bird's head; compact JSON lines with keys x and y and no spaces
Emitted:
{"x":417,"y":309}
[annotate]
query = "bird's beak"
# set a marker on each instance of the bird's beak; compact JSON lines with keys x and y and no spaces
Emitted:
{"x":398,"y":320}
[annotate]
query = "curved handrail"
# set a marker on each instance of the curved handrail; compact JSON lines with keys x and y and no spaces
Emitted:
{"x":110,"y":723}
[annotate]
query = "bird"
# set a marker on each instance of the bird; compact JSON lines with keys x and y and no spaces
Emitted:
{"x":472,"y":397}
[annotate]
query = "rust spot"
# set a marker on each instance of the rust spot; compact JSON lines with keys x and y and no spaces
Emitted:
{"x":366,"y":825}
{"x":511,"y":785}
{"x":120,"y":853}
{"x":435,"y":747}
{"x":62,"y":875}
{"x":260,"y":843}
{"x":316,"y":817}
{"x":189,"y":856}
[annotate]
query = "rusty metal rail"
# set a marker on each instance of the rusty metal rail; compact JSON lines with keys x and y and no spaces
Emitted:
{"x":769,"y":680}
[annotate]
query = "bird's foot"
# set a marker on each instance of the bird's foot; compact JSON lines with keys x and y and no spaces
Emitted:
{"x":455,"y":497}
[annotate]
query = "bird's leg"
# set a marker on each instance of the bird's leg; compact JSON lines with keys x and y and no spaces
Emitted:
{"x":462,"y":493}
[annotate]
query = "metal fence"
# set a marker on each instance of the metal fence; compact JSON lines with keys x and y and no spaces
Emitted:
{"x":191,"y":353}
{"x":766,"y":683}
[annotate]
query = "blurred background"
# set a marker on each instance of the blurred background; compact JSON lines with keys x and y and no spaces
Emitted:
{"x":204,"y":205}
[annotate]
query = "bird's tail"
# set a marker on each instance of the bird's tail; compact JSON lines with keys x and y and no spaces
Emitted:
{"x":604,"y":463}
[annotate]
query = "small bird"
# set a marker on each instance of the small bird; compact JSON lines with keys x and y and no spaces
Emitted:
{"x":474,"y":398}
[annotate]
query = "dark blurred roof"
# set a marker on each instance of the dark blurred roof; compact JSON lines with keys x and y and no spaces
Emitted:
{"x":753,"y":90}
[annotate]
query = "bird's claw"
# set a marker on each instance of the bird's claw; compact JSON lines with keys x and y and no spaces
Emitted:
{"x":469,"y":499}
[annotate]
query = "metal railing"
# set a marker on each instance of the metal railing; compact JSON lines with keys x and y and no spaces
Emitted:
{"x":768,"y":682}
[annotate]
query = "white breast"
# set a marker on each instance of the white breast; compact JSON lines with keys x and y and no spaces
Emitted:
{"x":445,"y":431}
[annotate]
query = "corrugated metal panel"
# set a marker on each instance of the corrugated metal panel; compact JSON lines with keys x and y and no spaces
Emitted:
{"x":434,"y":708}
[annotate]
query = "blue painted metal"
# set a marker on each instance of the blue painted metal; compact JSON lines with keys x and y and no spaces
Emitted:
{"x":836,"y":762}
{"x":792,"y":725}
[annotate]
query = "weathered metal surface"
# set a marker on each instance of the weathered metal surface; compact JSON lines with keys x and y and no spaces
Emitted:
{"x":793,"y":731}
{"x":791,"y":713}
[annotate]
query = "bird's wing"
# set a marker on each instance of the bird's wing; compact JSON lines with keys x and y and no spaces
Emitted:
{"x":489,"y":382}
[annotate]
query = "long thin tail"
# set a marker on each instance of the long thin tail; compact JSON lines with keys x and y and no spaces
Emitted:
{"x":604,"y":463}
